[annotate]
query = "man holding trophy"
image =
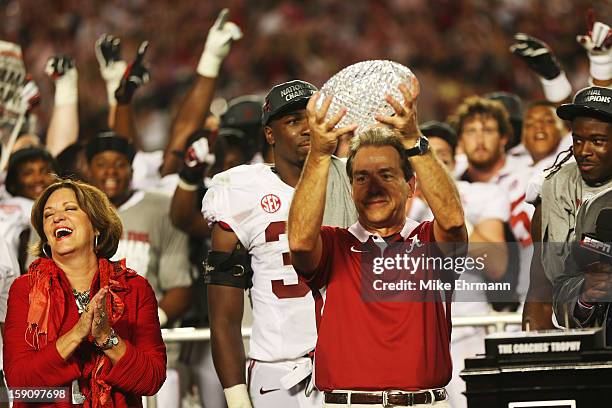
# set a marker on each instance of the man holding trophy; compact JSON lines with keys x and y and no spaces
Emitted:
{"x":374,"y":352}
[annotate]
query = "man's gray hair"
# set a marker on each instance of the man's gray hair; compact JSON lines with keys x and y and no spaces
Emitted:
{"x":379,"y":137}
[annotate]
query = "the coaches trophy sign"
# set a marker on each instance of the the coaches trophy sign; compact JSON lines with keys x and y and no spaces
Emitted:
{"x":361,"y":88}
{"x":12,"y":111}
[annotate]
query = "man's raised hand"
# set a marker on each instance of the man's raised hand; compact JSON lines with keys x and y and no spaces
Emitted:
{"x":218,"y":44}
{"x":62,"y":71}
{"x":537,"y":54}
{"x":135,"y":75}
{"x":112,"y":67}
{"x":598,"y":44}
{"x":30,"y":94}
{"x":404,"y":119}
{"x":323,"y":133}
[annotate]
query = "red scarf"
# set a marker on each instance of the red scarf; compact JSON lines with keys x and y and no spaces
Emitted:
{"x":45,"y":315}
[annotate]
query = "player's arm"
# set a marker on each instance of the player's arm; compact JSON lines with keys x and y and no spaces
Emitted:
{"x":537,"y":313}
{"x":174,"y":276}
{"x":437,"y":186}
{"x":184,"y":213}
{"x":184,"y":209}
{"x":193,"y":110}
{"x":108,"y":53}
{"x":175,"y":303}
{"x":308,"y":205}
{"x":225,"y":308}
{"x":64,"y":124}
{"x":490,"y":231}
{"x":135,"y":75}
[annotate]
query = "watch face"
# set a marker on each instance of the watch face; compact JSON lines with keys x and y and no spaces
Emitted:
{"x":423,"y":144}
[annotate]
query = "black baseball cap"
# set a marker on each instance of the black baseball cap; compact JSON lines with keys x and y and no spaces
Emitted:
{"x":511,"y":102}
{"x":442,"y":130}
{"x":109,"y":141}
{"x":243,"y":111}
{"x":286,"y":97}
{"x":514,"y":107}
{"x":593,"y":102}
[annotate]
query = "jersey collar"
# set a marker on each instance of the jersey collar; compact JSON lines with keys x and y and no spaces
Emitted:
{"x":363,"y":235}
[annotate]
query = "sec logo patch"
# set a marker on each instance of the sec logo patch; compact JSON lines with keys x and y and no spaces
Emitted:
{"x":270,"y":203}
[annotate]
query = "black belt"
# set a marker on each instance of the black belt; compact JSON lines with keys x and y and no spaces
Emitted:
{"x":387,"y":398}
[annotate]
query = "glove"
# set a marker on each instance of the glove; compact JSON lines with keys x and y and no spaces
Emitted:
{"x":537,"y":55}
{"x":197,"y":158}
{"x":218,"y":44}
{"x":134,"y":76}
{"x":30,"y":94}
{"x":542,"y":61}
{"x":112,"y":67}
{"x":598,"y":44}
{"x":61,"y":69}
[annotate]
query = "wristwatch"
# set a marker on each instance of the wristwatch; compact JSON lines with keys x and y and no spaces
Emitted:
{"x":420,"y":148}
{"x":110,"y":342}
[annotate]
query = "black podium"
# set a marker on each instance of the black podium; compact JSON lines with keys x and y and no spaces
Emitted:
{"x":552,"y":369}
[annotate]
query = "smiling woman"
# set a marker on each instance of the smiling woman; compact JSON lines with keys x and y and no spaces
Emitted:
{"x":89,"y":324}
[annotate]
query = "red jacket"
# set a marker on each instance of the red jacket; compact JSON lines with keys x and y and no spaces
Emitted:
{"x":141,"y":371}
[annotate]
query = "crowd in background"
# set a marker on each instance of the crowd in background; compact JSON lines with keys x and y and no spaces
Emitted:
{"x":455,"y":48}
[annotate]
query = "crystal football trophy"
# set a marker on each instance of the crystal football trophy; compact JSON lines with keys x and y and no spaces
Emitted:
{"x":361,"y":88}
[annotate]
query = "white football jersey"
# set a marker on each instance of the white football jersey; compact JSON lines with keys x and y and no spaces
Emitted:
{"x":146,"y":175}
{"x":14,"y":218}
{"x":483,"y":201}
{"x":480,"y":201}
{"x":255,"y":203}
{"x":513,"y":178}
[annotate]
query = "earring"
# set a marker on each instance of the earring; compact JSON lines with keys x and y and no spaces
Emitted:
{"x":44,"y":249}
{"x":96,"y":241}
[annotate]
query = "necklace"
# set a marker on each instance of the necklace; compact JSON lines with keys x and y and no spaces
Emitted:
{"x":82,"y":299}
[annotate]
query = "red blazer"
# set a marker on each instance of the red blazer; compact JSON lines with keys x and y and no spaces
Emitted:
{"x":141,"y":371}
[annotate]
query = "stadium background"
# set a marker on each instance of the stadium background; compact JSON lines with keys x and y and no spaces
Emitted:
{"x":456,"y":48}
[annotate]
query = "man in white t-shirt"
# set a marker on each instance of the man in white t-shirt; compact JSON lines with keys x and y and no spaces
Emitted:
{"x":483,"y":129}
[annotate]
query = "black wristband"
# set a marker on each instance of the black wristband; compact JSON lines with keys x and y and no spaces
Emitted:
{"x":192,"y":175}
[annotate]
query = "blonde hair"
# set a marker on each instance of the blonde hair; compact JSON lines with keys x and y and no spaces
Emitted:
{"x":95,"y":204}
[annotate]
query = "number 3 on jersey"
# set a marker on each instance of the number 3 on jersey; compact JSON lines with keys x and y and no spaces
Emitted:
{"x":282,"y":291}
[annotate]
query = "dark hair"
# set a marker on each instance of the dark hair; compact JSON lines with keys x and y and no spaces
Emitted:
{"x":440,"y":130}
{"x":379,"y":137}
{"x":475,"y":105}
{"x":95,"y":204}
{"x":68,"y":160}
{"x":18,"y":157}
{"x":560,"y":161}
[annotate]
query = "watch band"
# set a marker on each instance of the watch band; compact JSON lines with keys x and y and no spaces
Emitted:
{"x":413,"y":151}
